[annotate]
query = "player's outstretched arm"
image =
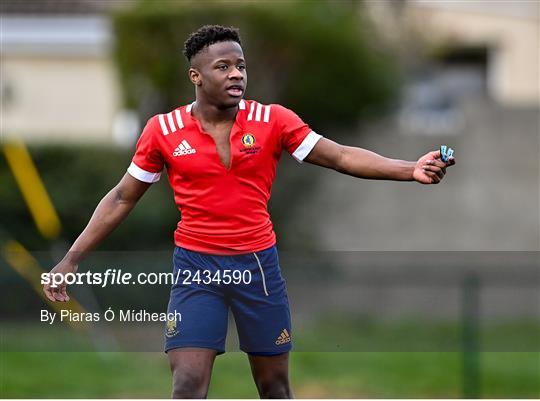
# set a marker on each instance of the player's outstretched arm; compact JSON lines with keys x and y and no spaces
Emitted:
{"x":362,"y":163}
{"x":110,"y":212}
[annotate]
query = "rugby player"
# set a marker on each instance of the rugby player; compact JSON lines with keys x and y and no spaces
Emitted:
{"x":221,"y":153}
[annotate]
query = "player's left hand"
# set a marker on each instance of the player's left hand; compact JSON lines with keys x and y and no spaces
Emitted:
{"x":430,"y":169}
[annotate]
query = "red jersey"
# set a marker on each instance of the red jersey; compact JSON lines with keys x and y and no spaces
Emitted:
{"x":224,"y":211}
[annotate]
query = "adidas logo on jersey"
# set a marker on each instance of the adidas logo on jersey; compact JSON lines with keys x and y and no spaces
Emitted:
{"x":283,"y":338}
{"x":184,"y":149}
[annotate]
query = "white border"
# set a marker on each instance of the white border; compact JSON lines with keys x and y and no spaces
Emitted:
{"x":306,"y":146}
{"x":143,"y":175}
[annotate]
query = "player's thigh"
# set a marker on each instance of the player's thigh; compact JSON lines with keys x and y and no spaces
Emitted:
{"x":197,"y":361}
{"x":271,"y":375}
{"x":191,"y":370}
{"x":269,"y":367}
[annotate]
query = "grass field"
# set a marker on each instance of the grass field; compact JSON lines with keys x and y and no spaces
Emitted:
{"x":313,"y":374}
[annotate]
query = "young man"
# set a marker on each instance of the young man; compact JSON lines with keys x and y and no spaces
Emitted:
{"x":221,"y":153}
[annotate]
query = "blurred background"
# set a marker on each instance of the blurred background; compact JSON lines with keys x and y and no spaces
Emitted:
{"x":397,"y":290}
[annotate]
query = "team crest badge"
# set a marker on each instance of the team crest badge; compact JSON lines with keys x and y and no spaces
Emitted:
{"x":248,"y":140}
{"x":171,"y":328}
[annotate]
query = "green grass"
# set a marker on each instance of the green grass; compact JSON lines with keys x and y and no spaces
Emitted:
{"x":317,"y":375}
{"x":330,"y":334}
{"x":353,"y":374}
{"x":349,"y":333}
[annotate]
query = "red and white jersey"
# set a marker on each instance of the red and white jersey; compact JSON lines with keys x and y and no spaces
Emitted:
{"x":224,"y":211}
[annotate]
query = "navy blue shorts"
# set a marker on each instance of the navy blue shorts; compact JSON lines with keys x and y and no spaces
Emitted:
{"x":250,"y":285}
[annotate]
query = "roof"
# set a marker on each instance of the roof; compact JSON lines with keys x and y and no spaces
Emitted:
{"x":59,"y":7}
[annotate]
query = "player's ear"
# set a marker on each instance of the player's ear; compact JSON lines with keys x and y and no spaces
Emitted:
{"x":194,"y":76}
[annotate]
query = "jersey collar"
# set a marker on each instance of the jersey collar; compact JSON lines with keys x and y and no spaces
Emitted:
{"x":241,"y":106}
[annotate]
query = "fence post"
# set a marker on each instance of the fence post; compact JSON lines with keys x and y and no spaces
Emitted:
{"x":470,"y":336}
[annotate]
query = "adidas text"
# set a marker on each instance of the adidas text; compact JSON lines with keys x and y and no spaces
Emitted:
{"x":179,"y":152}
{"x":183,"y":149}
{"x":282,"y":341}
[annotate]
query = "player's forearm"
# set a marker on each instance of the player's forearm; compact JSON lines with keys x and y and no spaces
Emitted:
{"x":109,"y":213}
{"x":363,"y":163}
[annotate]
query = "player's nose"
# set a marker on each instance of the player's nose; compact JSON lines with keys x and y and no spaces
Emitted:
{"x":236,"y":74}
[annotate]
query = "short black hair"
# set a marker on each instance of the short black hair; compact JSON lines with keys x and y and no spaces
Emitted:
{"x":208,"y":35}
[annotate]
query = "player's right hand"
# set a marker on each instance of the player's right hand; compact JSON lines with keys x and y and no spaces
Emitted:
{"x":59,"y":293}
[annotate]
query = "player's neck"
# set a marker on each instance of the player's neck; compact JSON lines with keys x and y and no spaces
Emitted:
{"x":211,"y":114}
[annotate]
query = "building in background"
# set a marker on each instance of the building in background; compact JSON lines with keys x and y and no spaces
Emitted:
{"x":59,"y":82}
{"x":502,"y":35}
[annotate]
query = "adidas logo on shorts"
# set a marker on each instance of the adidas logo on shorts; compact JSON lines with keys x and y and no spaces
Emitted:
{"x":283,"y":338}
{"x":184,"y":149}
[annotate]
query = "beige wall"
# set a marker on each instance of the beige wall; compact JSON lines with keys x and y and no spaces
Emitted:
{"x":59,"y":99}
{"x":514,"y":70}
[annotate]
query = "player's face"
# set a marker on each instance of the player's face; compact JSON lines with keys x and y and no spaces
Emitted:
{"x":219,"y":72}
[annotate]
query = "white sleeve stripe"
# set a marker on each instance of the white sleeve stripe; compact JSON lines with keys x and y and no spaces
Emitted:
{"x":242,"y":105}
{"x":143,"y":175}
{"x":266,"y":114}
{"x":179,"y":119}
{"x":252,"y":107}
{"x":306,"y":146}
{"x":258,"y":113}
{"x":171,"y":122}
{"x":163,"y":125}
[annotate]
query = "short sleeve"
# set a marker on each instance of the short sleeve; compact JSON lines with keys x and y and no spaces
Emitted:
{"x":147,"y":163}
{"x":296,"y":136}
